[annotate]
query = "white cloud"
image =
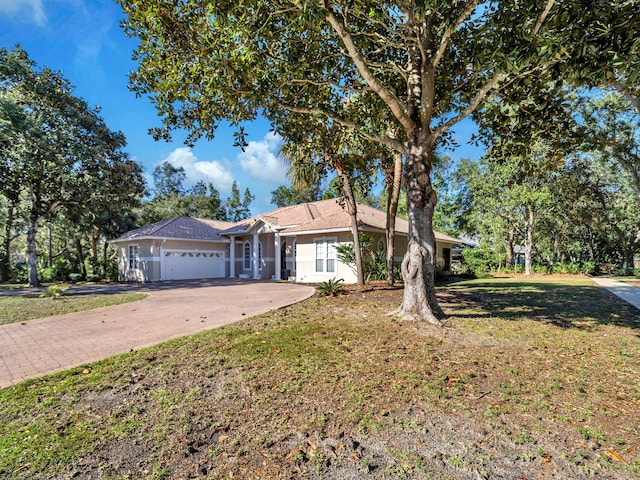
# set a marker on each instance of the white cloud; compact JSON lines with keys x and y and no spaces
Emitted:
{"x":213,"y":171}
{"x":21,"y":7}
{"x":260,"y":161}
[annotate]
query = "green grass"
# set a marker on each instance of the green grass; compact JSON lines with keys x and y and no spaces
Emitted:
{"x":22,"y":307}
{"x":264,"y":394}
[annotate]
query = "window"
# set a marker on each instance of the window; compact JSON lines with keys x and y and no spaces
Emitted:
{"x":246,"y":255}
{"x":134,"y":257}
{"x":325,"y":255}
{"x":260,"y":255}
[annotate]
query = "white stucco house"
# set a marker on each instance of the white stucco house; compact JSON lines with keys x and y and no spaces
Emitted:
{"x":290,"y":243}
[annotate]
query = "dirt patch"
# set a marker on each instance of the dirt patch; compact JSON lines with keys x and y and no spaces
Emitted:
{"x":333,"y":388}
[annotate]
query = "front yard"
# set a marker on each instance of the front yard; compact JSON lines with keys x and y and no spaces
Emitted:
{"x":529,"y":378}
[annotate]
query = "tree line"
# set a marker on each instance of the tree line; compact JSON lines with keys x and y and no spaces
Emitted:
{"x":67,"y":184}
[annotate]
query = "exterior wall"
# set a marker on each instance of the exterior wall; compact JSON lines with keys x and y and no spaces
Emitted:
{"x":306,"y":260}
{"x":300,"y":256}
{"x":149,"y":262}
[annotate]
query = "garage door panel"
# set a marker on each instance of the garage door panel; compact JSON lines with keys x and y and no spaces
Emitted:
{"x":181,"y":265}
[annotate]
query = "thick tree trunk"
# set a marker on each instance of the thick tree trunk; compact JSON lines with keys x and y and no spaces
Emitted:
{"x":419,"y":300}
{"x":394,"y":182}
{"x":352,"y":209}
{"x":32,"y":253}
{"x":528,"y":242}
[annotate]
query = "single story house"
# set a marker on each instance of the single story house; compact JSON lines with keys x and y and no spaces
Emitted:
{"x":291,"y":243}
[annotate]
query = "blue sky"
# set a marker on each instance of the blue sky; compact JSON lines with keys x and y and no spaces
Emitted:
{"x":83,"y":40}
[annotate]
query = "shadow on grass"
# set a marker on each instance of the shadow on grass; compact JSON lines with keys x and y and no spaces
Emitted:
{"x":567,"y":306}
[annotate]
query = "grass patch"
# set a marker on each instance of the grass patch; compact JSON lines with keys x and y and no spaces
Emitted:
{"x":27,"y":306}
{"x":333,"y":388}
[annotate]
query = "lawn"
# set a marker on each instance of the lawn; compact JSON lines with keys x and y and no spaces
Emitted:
{"x":27,"y":306}
{"x":529,"y":378}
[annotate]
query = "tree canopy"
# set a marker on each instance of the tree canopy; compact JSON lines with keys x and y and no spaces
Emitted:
{"x":58,"y":155}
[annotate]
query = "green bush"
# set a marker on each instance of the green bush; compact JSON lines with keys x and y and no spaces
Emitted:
{"x":480,"y":260}
{"x":58,"y":271}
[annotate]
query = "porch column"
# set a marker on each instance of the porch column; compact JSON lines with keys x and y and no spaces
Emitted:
{"x":256,"y":246}
{"x":232,"y":257}
{"x":276,"y":245}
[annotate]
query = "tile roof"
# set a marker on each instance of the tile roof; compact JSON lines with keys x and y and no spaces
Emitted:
{"x":180,"y":227}
{"x":322,"y":215}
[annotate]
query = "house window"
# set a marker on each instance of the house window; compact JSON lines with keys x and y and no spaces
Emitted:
{"x":325,"y":255}
{"x":246,"y":255}
{"x":134,"y":257}
{"x":260,"y":255}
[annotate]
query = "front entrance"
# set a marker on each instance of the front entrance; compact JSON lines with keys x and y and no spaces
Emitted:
{"x":446,"y":253}
{"x":285,"y":273}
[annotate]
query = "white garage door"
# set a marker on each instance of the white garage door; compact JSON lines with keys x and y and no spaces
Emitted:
{"x":184,"y":265}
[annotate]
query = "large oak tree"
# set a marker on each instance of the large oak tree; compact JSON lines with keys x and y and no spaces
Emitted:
{"x":417,"y":68}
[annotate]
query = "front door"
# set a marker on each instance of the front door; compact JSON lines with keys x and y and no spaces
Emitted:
{"x":446,"y":253}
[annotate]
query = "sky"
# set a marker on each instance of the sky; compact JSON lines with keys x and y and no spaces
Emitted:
{"x":83,"y":40}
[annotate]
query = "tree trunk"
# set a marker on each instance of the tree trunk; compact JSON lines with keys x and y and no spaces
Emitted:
{"x":511,"y":238}
{"x":394,"y":181}
{"x":80,"y":254}
{"x":50,"y":256}
{"x":32,"y":253}
{"x":5,"y":259}
{"x":352,"y":209}
{"x":528,"y":241}
{"x":419,"y":300}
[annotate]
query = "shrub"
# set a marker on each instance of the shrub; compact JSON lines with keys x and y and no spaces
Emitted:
{"x":331,"y":287}
{"x":480,"y":260}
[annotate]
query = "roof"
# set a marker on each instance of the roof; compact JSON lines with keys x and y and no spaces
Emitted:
{"x":323,"y":215}
{"x":180,"y":228}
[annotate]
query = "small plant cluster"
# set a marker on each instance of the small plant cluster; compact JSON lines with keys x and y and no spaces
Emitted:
{"x":54,"y":291}
{"x":331,"y":287}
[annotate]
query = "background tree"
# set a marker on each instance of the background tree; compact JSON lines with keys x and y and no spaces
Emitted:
{"x":237,"y":208}
{"x":60,"y":150}
{"x":284,"y":196}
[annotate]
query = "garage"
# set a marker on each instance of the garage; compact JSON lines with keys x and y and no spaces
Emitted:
{"x":189,"y":264}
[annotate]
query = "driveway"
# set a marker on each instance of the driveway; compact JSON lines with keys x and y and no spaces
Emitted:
{"x":173,"y":309}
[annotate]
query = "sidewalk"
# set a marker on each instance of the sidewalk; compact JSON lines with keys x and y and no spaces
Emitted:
{"x":626,"y":292}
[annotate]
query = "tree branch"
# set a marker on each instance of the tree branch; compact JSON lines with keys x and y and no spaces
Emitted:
{"x":543,"y":16}
{"x":482,"y":93}
{"x":466,"y":13}
{"x":358,"y":128}
{"x":387,"y":96}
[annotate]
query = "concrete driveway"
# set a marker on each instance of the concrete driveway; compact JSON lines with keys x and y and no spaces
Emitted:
{"x":173,"y":309}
